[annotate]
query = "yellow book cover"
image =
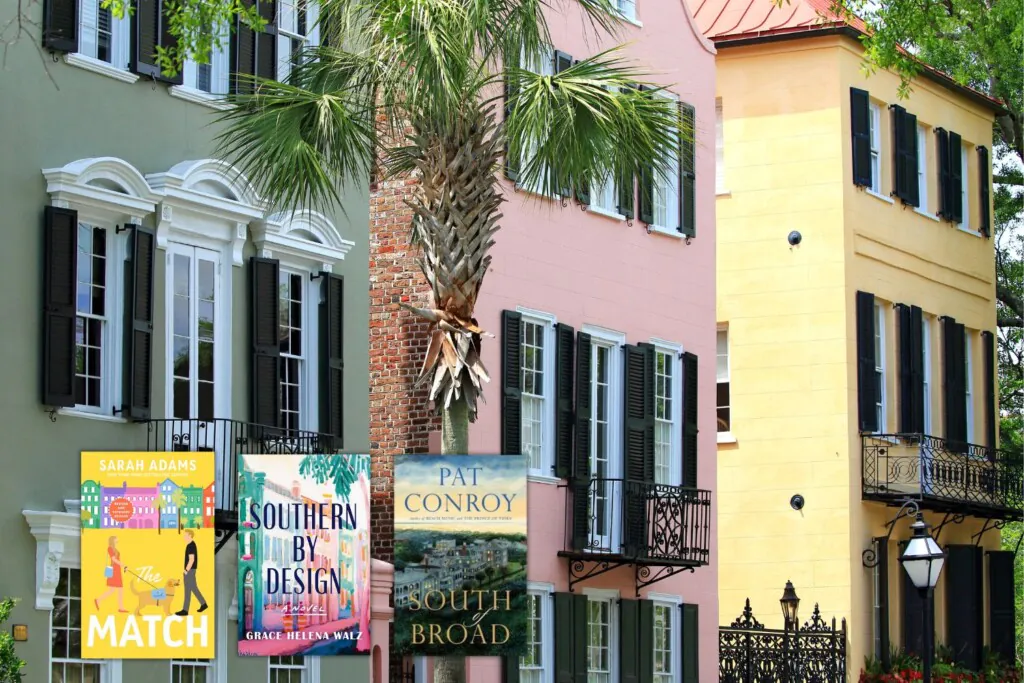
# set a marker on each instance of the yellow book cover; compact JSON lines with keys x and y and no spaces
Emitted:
{"x":148,"y":555}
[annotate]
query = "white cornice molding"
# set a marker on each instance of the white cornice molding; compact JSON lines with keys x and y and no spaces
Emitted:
{"x":58,"y":542}
{"x":101,"y":189}
{"x":283,"y":235}
{"x":205,"y":200}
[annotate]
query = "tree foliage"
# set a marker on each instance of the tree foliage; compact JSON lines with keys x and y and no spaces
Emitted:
{"x":10,"y":663}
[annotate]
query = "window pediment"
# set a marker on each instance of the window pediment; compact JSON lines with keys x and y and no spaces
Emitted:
{"x":101,"y":189}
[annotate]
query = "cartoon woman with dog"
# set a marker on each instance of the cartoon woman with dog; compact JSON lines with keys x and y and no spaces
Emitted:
{"x":113,"y":574}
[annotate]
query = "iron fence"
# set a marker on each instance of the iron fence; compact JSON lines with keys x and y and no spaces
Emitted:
{"x":813,"y":653}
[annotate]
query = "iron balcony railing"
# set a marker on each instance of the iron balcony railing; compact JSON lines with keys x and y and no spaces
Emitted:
{"x":228,"y":439}
{"x":944,"y":476}
{"x":639,"y":521}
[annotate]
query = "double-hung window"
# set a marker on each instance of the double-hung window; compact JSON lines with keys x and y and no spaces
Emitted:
{"x":627,"y":8}
{"x":192,"y":671}
{"x":537,"y":665}
{"x":210,"y":76}
{"x":606,"y":378}
{"x":601,"y":639}
{"x":287,"y":669}
{"x":968,"y":382}
{"x":922,"y":169}
{"x":722,"y":370}
{"x":668,"y":414}
{"x":926,"y":375}
{"x":297,"y":30}
{"x":965,"y":197}
{"x":665,"y":195}
{"x":95,"y":321}
{"x":543,"y":65}
{"x":102,"y":36}
{"x":880,"y":409}
{"x":667,"y":666}
{"x":537,"y":353}
{"x":875,"y":119}
{"x":66,"y":663}
{"x":294,"y":342}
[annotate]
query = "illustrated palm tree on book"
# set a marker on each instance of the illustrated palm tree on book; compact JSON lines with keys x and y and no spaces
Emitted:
{"x":159,"y":504}
{"x":178,"y":499}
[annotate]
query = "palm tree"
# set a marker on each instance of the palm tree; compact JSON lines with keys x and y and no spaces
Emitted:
{"x":412,"y":87}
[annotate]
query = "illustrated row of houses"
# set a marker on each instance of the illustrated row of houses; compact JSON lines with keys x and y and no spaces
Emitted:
{"x":780,"y":343}
{"x":449,"y":566}
{"x":166,"y":505}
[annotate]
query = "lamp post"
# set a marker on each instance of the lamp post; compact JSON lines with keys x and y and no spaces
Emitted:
{"x":923,"y":559}
{"x":790,"y":604}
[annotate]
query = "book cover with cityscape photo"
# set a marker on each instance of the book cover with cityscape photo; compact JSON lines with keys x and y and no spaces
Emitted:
{"x":147,"y":556}
{"x":460,"y":555}
{"x":304,"y":555}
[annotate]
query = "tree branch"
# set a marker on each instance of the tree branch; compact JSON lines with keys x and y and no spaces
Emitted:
{"x":1007,"y":298}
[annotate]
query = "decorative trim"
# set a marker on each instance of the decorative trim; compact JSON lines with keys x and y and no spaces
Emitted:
{"x":58,"y":543}
{"x":665,"y":597}
{"x":703,"y":40}
{"x":183,"y":92}
{"x":726,"y":437}
{"x":78,"y":412}
{"x":605,"y":334}
{"x":601,"y":211}
{"x":542,"y":479}
{"x":540,"y":586}
{"x":667,"y":345}
{"x":612,"y":594}
{"x":281,"y":234}
{"x":876,"y":195}
{"x":100,"y":67}
{"x":102,"y":189}
{"x":540,"y":316}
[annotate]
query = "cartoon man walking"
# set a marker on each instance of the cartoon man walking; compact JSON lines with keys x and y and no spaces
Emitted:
{"x":191,"y":564}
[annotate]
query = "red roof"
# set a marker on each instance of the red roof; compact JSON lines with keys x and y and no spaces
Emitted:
{"x":741,"y":21}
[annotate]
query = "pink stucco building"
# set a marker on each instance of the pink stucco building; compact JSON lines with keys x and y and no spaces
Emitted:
{"x":603,"y":373}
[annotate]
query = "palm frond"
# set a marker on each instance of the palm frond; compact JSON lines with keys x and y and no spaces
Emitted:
{"x":597,"y":118}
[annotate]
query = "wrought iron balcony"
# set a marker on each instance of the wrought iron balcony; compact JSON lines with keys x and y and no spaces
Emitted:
{"x":621,"y":521}
{"x":945,"y":477}
{"x":228,"y":439}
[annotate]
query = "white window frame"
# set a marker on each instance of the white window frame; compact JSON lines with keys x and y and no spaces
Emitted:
{"x":545,"y":473}
{"x":310,"y":371}
{"x":922,"y":169}
{"x":287,"y":31}
{"x":105,"y":192}
{"x":110,"y":669}
{"x":965,"y":194}
{"x":875,"y":111}
{"x":544,"y":592}
{"x":674,"y":352}
{"x":613,"y":341}
{"x":674,"y":605}
{"x":969,"y":385}
{"x":926,"y":345}
{"x":611,"y":597}
{"x":670,"y":184}
{"x":880,"y":368}
{"x":120,"y":43}
{"x":726,"y":436}
{"x":188,"y":664}
{"x":546,"y":67}
{"x":720,"y":188}
{"x":219,"y":61}
{"x":310,"y":669}
{"x":627,"y":11}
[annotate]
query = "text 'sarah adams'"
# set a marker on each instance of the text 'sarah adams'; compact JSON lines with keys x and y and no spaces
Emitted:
{"x":147,"y":582}
{"x":460,"y":555}
{"x":304,"y":555}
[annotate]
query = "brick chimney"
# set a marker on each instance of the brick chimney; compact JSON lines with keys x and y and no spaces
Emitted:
{"x":401,"y":420}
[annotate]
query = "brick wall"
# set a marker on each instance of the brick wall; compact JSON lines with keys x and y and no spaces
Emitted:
{"x":400,"y":418}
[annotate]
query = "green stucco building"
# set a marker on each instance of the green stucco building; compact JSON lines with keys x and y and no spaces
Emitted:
{"x":155,"y":302}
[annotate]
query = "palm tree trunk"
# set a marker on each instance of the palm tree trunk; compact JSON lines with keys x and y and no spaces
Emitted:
{"x":455,"y":429}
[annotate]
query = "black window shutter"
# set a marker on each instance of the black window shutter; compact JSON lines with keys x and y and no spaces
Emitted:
{"x":60,"y":282}
{"x":956,"y":179}
{"x":565,"y":347}
{"x":950,"y":401}
{"x":913,"y":613}
{"x":511,"y":383}
{"x":691,"y":651}
{"x":565,"y":637}
{"x":964,"y":607}
{"x":687,"y":171}
{"x":984,"y":191}
{"x":266,"y":351}
{"x":860,"y":129}
{"x":690,"y":392}
{"x":906,"y":357}
{"x":638,"y":441}
{"x":138,"y":310}
{"x":645,"y":195}
{"x":945,"y":196}
{"x":511,"y":163}
{"x":581,"y":636}
{"x":511,"y":665}
{"x":254,"y":53}
{"x":917,"y":367}
{"x":645,"y":640}
{"x":988,"y":349}
{"x":629,"y":650}
{"x":866,"y":390}
{"x":1002,"y":625}
{"x":961,"y":385}
{"x":60,"y":25}
{"x":332,"y":357}
{"x":581,"y":460}
{"x":911,"y":190}
{"x":624,"y":186}
{"x":150,"y":30}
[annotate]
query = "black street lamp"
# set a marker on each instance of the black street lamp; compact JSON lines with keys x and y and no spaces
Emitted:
{"x":923,"y":559}
{"x":790,"y":604}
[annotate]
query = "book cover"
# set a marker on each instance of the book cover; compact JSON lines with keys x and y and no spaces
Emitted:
{"x":147,"y":555}
{"x":460,"y":555}
{"x":304,"y":555}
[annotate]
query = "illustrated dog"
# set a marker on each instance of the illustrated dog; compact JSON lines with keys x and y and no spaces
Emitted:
{"x":146,"y":597}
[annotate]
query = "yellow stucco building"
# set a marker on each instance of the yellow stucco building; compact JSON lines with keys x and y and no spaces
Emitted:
{"x":856,"y":302}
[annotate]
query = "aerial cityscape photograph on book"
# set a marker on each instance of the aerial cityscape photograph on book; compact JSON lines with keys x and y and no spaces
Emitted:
{"x":460,"y":555}
{"x":304,"y":555}
{"x":147,"y":576}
